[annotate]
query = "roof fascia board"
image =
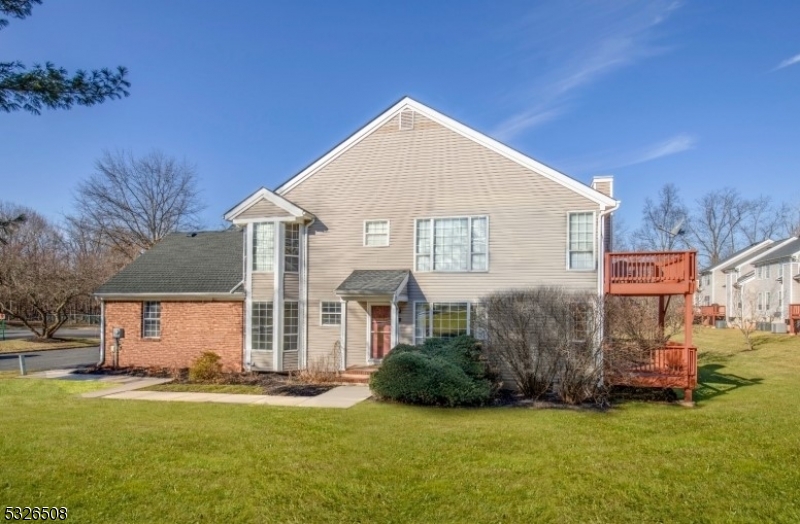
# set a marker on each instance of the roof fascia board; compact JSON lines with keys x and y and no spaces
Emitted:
{"x":763,"y":255}
{"x":271,"y":197}
{"x":229,"y":297}
{"x":728,"y":261}
{"x":602,"y":200}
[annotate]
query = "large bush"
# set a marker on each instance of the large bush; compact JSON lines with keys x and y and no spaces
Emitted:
{"x":205,"y":367}
{"x":548,"y":340}
{"x":438,"y":373}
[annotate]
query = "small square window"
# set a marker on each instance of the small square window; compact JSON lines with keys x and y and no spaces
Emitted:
{"x":330,"y":313}
{"x":376,"y":233}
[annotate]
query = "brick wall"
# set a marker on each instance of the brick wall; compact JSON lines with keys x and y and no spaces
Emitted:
{"x":187,"y":329}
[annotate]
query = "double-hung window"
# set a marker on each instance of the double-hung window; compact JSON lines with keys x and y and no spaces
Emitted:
{"x":376,"y":233}
{"x":263,"y":246}
{"x":291,"y":326}
{"x":452,"y":244}
{"x":330,"y":313}
{"x":151,"y":320}
{"x":261,"y":332}
{"x":444,"y":320}
{"x":581,"y":241}
{"x":291,"y":260}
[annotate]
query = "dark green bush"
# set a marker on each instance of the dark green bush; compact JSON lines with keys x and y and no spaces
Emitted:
{"x":439,"y":373}
{"x":205,"y":367}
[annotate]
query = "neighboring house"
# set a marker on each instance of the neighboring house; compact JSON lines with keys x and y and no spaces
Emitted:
{"x":391,"y":237}
{"x":741,"y":293}
{"x":713,"y":280}
{"x":776,"y":284}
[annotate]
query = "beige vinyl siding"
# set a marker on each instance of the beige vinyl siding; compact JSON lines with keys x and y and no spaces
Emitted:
{"x":290,"y":360}
{"x":426,"y":172}
{"x":262,"y":360}
{"x":263,"y":209}
{"x":263,"y":286}
{"x":356,"y":354}
{"x":291,"y":286}
{"x":719,"y":288}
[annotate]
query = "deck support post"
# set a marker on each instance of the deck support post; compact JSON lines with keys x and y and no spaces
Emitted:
{"x":688,"y":318}
{"x":662,"y":315}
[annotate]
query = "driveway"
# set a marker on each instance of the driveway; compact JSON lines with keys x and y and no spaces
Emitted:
{"x":53,"y":359}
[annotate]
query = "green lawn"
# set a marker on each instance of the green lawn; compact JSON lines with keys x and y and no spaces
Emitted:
{"x":32,"y":344}
{"x":733,"y":458}
{"x":245,"y":389}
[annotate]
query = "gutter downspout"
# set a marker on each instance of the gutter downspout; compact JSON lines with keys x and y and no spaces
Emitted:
{"x":600,"y":285}
{"x":304,"y":363}
{"x":102,"y":333}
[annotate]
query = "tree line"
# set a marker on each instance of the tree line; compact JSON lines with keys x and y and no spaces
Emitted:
{"x":50,"y":268}
{"x":717,"y":224}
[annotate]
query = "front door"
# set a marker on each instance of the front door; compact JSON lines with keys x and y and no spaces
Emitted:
{"x":380,"y":331}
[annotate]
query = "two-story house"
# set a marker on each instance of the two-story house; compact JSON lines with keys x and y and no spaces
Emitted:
{"x":775,"y":286}
{"x":713,"y":280}
{"x":391,"y":237}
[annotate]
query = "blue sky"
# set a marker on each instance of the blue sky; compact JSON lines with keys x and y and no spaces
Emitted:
{"x":701,"y":94}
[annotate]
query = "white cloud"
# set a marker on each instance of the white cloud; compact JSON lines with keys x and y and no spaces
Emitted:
{"x":672,"y":146}
{"x":789,"y":61}
{"x":568,"y":47}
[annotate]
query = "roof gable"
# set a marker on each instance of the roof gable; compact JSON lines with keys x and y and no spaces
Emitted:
{"x":785,"y":249}
{"x":750,"y":250}
{"x":265,"y":195}
{"x":407,"y":103}
{"x":756,"y":255}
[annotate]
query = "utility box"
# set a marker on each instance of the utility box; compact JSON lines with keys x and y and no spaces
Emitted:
{"x":721,"y":324}
{"x":118,"y":332}
{"x":779,"y":328}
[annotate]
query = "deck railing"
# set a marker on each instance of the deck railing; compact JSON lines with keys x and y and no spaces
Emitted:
{"x":794,"y":310}
{"x":658,"y":272}
{"x":673,"y":365}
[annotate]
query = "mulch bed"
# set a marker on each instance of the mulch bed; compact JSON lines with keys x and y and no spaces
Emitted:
{"x":271,"y":383}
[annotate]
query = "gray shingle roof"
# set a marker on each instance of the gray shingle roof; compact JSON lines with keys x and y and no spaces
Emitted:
{"x":788,"y":249}
{"x":754,"y":254}
{"x":203,"y":262}
{"x":373,"y":281}
{"x":732,"y":257}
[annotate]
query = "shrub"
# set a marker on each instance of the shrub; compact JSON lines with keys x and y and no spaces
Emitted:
{"x":206,"y":367}
{"x":548,"y":339}
{"x":439,"y":373}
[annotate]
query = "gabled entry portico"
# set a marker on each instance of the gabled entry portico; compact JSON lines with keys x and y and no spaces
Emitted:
{"x":379,"y":293}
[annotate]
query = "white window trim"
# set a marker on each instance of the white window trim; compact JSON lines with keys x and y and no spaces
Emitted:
{"x":144,"y":305}
{"x":252,"y":323}
{"x":321,"y":312}
{"x":283,"y":329}
{"x":252,"y":235}
{"x":431,"y":253}
{"x":283,"y":247}
{"x":594,"y":241}
{"x":388,"y":232}
{"x":471,"y":305}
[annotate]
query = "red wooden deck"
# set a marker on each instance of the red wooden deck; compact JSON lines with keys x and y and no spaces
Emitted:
{"x":794,"y":319}
{"x":673,"y":366}
{"x":708,"y":314}
{"x":651,"y":273}
{"x":661,"y":274}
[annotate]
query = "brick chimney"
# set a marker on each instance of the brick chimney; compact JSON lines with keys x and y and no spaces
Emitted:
{"x":605,"y":184}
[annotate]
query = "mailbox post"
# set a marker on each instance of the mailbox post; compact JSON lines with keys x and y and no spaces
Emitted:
{"x":118,"y":333}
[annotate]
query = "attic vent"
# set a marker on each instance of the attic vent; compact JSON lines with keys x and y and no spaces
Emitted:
{"x":407,"y":120}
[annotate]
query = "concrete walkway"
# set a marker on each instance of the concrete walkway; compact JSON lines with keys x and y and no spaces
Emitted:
{"x":129,"y":388}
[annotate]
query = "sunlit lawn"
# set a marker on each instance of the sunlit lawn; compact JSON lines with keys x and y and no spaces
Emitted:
{"x":733,"y":458}
{"x":32,"y":344}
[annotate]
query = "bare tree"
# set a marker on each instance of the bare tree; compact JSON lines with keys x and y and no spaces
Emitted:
{"x":789,"y":220}
{"x":7,"y":224}
{"x":659,"y":220}
{"x":39,"y":276}
{"x":717,"y":222}
{"x":746,"y":314}
{"x":761,"y":220}
{"x":621,"y":235}
{"x":548,"y":339}
{"x":131,"y":203}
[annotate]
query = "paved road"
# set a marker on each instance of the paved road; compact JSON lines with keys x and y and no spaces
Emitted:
{"x":94,"y":332}
{"x":53,"y":359}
